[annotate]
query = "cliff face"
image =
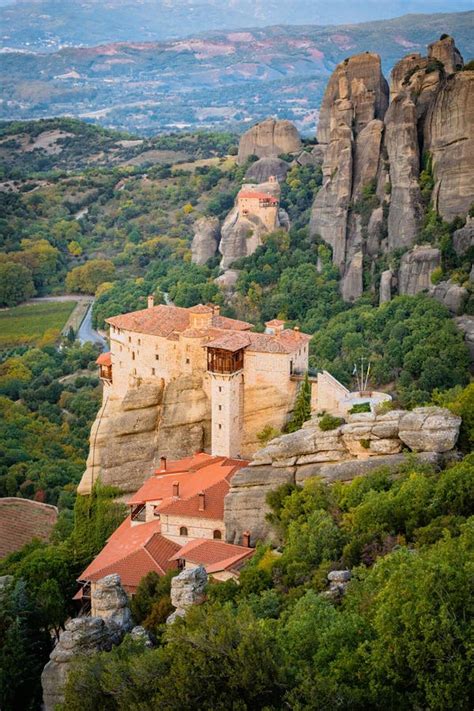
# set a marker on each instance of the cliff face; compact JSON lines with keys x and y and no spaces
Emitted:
{"x":371,"y":202}
{"x":269,"y":138}
{"x":152,"y":420}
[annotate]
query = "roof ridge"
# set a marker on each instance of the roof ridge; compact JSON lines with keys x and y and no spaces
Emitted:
{"x":16,"y":499}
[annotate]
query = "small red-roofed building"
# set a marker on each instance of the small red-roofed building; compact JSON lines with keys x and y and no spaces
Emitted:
{"x":181,"y":503}
{"x":221,"y":560}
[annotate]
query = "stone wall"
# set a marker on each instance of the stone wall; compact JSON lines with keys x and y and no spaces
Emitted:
{"x":365,"y":442}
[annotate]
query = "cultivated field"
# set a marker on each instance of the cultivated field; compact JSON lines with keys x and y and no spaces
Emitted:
{"x":34,"y":323}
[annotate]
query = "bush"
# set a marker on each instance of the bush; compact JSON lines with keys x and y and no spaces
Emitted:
{"x":329,"y":422}
{"x":360,"y":407}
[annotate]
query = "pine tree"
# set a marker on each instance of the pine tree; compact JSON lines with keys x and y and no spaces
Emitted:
{"x":302,"y":409}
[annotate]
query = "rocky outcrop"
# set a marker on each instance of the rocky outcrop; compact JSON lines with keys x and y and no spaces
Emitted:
{"x":429,"y":429}
{"x":242,"y":232}
{"x":206,"y":239}
{"x":370,"y":201}
{"x":151,"y":420}
{"x":449,"y":137}
{"x":416,"y":268}
{"x":265,"y":168}
{"x":110,"y":603}
{"x":463,"y":239}
{"x":385,"y":293}
{"x":365,"y":442}
{"x":84,"y":636}
{"x":451,"y":295}
{"x":466,"y":325}
{"x":338,"y":582}
{"x":269,"y":138}
{"x":187,"y":589}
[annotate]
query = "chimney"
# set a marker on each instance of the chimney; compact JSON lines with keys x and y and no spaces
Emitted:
{"x":163,"y":463}
{"x":246,"y":539}
{"x":202,"y":501}
{"x":151,"y":301}
{"x":176,"y":489}
{"x":217,"y":310}
{"x":296,"y":328}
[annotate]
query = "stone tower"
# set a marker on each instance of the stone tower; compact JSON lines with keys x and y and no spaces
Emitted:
{"x":225,"y":363}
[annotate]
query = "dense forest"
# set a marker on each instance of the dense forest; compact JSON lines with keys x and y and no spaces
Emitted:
{"x":112,"y":216}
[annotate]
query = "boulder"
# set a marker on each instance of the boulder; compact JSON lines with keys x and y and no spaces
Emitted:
{"x":429,"y":429}
{"x":466,"y":325}
{"x":265,"y":168}
{"x":446,"y":52}
{"x":463,"y":239}
{"x":82,"y":636}
{"x":187,"y":589}
{"x":110,"y":602}
{"x":450,"y":295}
{"x":416,"y":268}
{"x":269,"y":138}
{"x":206,"y":239}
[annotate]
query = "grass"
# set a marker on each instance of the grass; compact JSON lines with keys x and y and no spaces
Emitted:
{"x":34,"y":323}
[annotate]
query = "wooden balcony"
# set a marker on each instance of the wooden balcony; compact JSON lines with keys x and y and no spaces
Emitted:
{"x":104,"y":361}
{"x":224,"y":362}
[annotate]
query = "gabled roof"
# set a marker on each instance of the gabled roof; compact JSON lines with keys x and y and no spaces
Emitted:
{"x":213,"y":503}
{"x":21,"y":520}
{"x":201,"y":472}
{"x":214,"y":555}
{"x":257,"y":195}
{"x":132,"y":552}
{"x":104,"y":359}
{"x":167,"y":321}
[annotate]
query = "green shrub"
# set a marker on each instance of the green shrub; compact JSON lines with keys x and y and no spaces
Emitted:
{"x":359,"y":407}
{"x":330,"y":422}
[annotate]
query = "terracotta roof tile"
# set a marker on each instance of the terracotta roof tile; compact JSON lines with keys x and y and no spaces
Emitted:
{"x":214,"y":555}
{"x":230,"y":341}
{"x":104,"y":359}
{"x":21,"y":520}
{"x":201,"y":309}
{"x":213,"y":503}
{"x":168,"y":321}
{"x":257,"y":195}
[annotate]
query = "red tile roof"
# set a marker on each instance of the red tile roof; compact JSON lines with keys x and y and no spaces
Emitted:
{"x":230,"y":341}
{"x":257,"y":195}
{"x":132,"y":552}
{"x":21,"y":520}
{"x":201,"y":472}
{"x":214,"y":555}
{"x":275,"y":322}
{"x":104,"y":359}
{"x":167,"y":321}
{"x":213,"y":503}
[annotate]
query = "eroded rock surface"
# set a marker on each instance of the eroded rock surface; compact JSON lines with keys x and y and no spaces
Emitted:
{"x":416,"y":268}
{"x":269,"y":138}
{"x":365,"y":442}
{"x":265,"y":168}
{"x":206,"y":239}
{"x":187,"y":589}
{"x":84,"y":636}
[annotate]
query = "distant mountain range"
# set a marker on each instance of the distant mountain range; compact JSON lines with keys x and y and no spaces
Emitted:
{"x":220,"y":79}
{"x":46,"y":25}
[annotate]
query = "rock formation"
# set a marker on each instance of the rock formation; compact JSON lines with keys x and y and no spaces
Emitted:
{"x":85,"y":636}
{"x":262,"y":170}
{"x":371,"y":201}
{"x":187,"y":589}
{"x":338,"y":582}
{"x":416,"y":268}
{"x":366,"y":442}
{"x":450,"y":295}
{"x":151,"y":420}
{"x":206,"y":239}
{"x":463,"y":239}
{"x":269,"y":138}
{"x":242,"y":231}
{"x":386,"y":286}
{"x":465,"y":324}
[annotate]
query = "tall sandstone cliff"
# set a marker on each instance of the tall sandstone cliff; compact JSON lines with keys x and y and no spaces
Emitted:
{"x":371,"y":202}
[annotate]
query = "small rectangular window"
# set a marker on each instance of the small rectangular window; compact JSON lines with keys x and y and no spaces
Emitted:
{"x":220,"y":407}
{"x":129,"y":339}
{"x":157,"y":357}
{"x":187,"y":361}
{"x":133,"y":356}
{"x":153,"y":371}
{"x":220,"y":427}
{"x":220,"y":389}
{"x":139,"y":341}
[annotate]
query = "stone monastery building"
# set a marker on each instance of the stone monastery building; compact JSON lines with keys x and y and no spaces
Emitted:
{"x":249,"y":378}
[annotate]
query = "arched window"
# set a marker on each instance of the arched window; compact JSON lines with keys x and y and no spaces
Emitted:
{"x":217,"y":535}
{"x":183,"y":531}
